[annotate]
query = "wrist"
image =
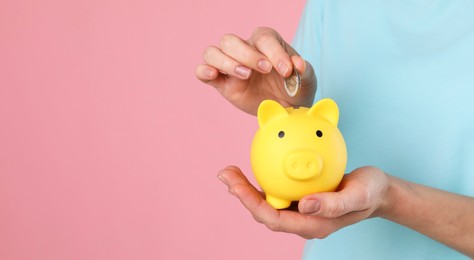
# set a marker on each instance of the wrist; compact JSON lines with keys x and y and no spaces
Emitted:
{"x":391,"y":206}
{"x":388,"y":201}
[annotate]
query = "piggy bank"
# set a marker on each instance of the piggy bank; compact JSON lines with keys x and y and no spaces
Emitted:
{"x":297,"y":151}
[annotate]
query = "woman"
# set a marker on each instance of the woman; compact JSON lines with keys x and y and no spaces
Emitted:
{"x":402,"y":73}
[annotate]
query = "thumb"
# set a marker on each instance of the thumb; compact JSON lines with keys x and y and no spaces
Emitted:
{"x":331,"y":204}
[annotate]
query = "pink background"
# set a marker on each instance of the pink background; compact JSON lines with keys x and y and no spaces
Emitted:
{"x":109,"y":145}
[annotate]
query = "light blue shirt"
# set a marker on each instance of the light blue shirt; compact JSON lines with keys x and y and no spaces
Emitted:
{"x":402,"y":73}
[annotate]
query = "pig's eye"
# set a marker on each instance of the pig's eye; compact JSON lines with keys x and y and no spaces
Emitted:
{"x":281,"y":134}
{"x":319,"y":133}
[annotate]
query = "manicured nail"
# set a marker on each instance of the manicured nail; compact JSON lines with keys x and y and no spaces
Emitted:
{"x":264,"y":65}
{"x":311,"y":207}
{"x":222,"y":179}
{"x":209,"y":73}
{"x":282,"y":68}
{"x":242,"y":71}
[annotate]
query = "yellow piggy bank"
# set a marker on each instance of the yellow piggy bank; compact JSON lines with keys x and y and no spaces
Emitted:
{"x":297,"y":151}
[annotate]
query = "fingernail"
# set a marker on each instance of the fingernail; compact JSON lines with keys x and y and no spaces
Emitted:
{"x":222,"y":179}
{"x":209,"y":73}
{"x":242,"y":71}
{"x":282,"y":68}
{"x":264,"y":65}
{"x":311,"y":207}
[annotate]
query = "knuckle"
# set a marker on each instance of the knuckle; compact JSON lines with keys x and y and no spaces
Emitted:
{"x":227,"y":40}
{"x":318,"y":233}
{"x":306,"y":236}
{"x":336,"y":209}
{"x":322,"y":233}
{"x":262,"y":31}
{"x":257,"y":218}
{"x":273,"y":226}
{"x":263,"y":34}
{"x":208,"y":53}
{"x":262,"y":38}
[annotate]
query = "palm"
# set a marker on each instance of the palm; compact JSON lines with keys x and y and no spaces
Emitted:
{"x":359,"y":192}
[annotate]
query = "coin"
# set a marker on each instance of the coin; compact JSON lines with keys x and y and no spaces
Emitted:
{"x":292,"y":83}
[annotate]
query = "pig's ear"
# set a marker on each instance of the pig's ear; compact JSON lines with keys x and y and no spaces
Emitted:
{"x":269,"y":110}
{"x":327,"y":109}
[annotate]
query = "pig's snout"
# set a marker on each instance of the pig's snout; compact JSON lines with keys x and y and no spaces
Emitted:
{"x":302,"y":165}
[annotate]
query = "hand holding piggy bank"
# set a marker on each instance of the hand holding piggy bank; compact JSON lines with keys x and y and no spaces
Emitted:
{"x":297,"y":151}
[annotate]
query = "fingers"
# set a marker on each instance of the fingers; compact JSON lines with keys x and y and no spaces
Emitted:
{"x":245,"y":54}
{"x":330,"y":205}
{"x":299,"y":63}
{"x":236,"y":57}
{"x":319,"y":214}
{"x":232,"y":176}
{"x":276,"y":220}
{"x":270,"y":44}
{"x":206,"y":73}
{"x":250,"y":197}
{"x":222,"y":62}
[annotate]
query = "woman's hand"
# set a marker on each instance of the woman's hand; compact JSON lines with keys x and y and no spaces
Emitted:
{"x":247,"y":72}
{"x":361,"y":195}
{"x":364,"y":193}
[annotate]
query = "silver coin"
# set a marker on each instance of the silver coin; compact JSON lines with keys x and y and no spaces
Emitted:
{"x":293,"y":83}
